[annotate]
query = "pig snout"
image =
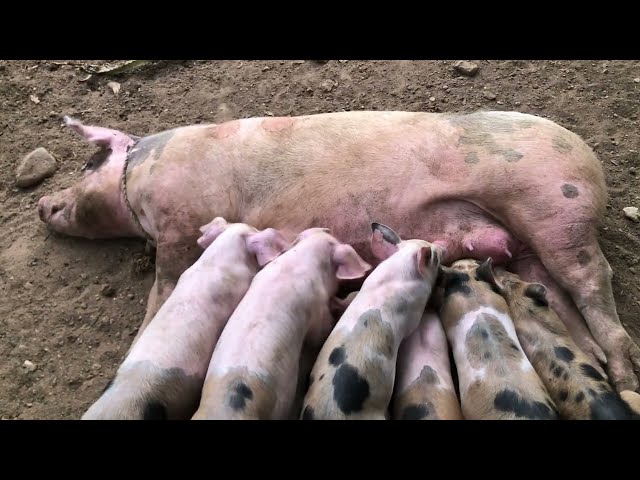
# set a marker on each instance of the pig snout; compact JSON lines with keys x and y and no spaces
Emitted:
{"x":47,"y":206}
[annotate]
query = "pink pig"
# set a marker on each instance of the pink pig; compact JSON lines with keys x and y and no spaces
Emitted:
{"x":255,"y":368}
{"x":162,"y":376}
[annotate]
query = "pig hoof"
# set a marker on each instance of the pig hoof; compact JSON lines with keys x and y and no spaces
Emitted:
{"x":624,"y":363}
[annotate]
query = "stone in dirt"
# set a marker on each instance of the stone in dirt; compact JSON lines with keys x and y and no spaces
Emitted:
{"x":465,"y":68}
{"x":631,"y":213}
{"x":35,"y":167}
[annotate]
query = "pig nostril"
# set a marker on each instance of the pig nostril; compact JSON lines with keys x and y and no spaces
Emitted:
{"x":56,"y":208}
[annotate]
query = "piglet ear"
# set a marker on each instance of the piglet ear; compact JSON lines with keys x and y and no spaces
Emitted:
{"x":538,"y":293}
{"x":443,"y":275}
{"x":424,"y":258}
{"x":104,"y":137}
{"x":266,"y":245}
{"x":485,"y":273}
{"x":350,"y":265}
{"x":211,"y":231}
{"x":384,"y":241}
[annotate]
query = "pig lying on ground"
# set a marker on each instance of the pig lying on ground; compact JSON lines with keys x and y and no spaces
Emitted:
{"x":497,"y":381}
{"x":515,"y":187}
{"x":574,"y":383}
{"x":354,"y":373}
{"x":254,"y":370}
{"x":162,"y":376}
{"x":424,"y":389}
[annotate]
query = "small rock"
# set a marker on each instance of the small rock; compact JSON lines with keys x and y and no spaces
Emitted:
{"x":636,"y":80}
{"x":631,"y":213}
{"x":489,"y":95}
{"x":96,"y":366}
{"x":29,"y":366}
{"x":29,"y":405}
{"x":107,"y":290}
{"x":130,"y":296}
{"x":632,"y":270}
{"x":83,"y":306}
{"x":328,"y":85}
{"x":632,"y":171}
{"x":265,"y":68}
{"x":28,"y":285}
{"x":34,"y":99}
{"x":35,"y":167}
{"x":432,"y":99}
{"x":465,"y":68}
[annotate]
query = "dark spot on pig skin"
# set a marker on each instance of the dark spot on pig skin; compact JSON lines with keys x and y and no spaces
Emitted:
{"x":591,"y":372}
{"x":569,"y":191}
{"x":558,"y":371}
{"x":307,"y":414}
{"x":509,"y":401}
{"x":154,"y":411}
{"x":415,"y":412}
{"x":514,"y":347}
{"x":429,"y":375}
{"x":241,"y":394}
{"x":552,"y":365}
{"x":592,"y":392}
{"x":511,"y":155}
{"x":456,"y":283}
{"x":564,"y":354}
{"x":143,"y":147}
{"x":579,"y":397}
{"x":366,"y":323}
{"x":563,"y":395}
{"x":583,"y":258}
{"x":108,"y":386}
{"x":321,"y":376}
{"x":560,"y":145}
{"x":565,"y":377}
{"x":350,"y":390}
{"x":337,"y":356}
{"x":487,"y":356}
{"x":471,"y":158}
{"x":609,"y":406}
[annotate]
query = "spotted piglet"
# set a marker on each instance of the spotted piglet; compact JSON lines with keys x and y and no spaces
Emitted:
{"x":354,"y":374}
{"x":424,"y":388}
{"x":162,"y":375}
{"x":574,"y":383}
{"x":497,"y":381}
{"x":255,"y":367}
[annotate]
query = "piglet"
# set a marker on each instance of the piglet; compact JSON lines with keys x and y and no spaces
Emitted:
{"x":354,"y":374}
{"x":424,"y":389}
{"x":255,"y":367}
{"x":162,"y":376}
{"x":572,"y":379}
{"x":496,"y":379}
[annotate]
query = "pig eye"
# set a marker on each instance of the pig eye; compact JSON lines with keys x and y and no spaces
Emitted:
{"x":96,"y":159}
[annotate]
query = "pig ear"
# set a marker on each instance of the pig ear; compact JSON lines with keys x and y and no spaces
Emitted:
{"x":426,"y":258}
{"x":443,"y":273}
{"x":211,"y":231}
{"x":538,"y":293}
{"x":485,"y":273}
{"x":104,"y":137}
{"x":384,"y":241}
{"x":266,"y":245}
{"x":350,"y":265}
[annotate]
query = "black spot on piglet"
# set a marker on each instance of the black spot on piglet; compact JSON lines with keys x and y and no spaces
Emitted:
{"x":337,"y":356}
{"x":591,"y":372}
{"x":564,"y":354}
{"x":241,"y":393}
{"x":154,"y":411}
{"x":509,"y":401}
{"x":307,"y":414}
{"x":609,"y":406}
{"x":350,"y":390}
{"x":456,"y":282}
{"x":415,"y":412}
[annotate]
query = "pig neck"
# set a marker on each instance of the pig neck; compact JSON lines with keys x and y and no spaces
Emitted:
{"x":134,"y":222}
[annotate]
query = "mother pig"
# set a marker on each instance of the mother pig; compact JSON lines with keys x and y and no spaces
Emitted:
{"x":512,"y":186}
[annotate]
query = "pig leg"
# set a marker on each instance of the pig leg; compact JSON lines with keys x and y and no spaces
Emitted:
{"x":172,"y":259}
{"x":572,"y":255}
{"x":530,"y":269}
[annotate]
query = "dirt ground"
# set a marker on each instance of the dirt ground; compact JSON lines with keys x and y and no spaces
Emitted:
{"x":52,"y":311}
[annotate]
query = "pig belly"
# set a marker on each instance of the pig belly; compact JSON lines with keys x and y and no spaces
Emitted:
{"x":497,"y":381}
{"x":424,"y":388}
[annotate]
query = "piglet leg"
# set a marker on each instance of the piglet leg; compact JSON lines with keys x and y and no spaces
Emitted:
{"x":531,"y":269}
